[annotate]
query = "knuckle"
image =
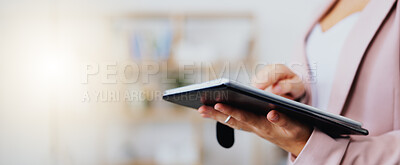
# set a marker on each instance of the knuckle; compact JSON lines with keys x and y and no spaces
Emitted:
{"x":280,"y":66}
{"x":288,"y":87}
{"x":242,"y":117}
{"x":233,"y":125}
{"x":284,"y":123}
{"x":252,"y":122}
{"x":270,"y":66}
{"x":260,"y":76}
{"x":227,"y":110}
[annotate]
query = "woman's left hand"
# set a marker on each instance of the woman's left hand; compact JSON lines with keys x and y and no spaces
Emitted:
{"x":276,"y":127}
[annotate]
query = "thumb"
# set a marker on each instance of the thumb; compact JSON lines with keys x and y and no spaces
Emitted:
{"x":279,"y":119}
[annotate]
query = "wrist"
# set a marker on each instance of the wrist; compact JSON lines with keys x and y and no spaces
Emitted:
{"x":297,"y":145}
{"x":292,"y":146}
{"x":297,"y":148}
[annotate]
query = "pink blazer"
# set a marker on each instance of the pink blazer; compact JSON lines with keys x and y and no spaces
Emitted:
{"x":366,"y":88}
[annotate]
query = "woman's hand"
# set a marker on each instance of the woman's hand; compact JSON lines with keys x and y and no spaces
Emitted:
{"x":276,"y":127}
{"x":280,"y":80}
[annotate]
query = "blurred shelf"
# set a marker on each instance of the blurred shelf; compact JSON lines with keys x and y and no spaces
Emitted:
{"x":177,"y":25}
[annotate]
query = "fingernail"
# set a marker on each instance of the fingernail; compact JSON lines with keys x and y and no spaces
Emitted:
{"x":218,"y":107}
{"x":275,"y":118}
{"x":205,"y":116}
{"x":201,"y":110}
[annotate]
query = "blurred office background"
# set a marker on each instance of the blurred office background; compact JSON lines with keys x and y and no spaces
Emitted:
{"x":58,"y":106}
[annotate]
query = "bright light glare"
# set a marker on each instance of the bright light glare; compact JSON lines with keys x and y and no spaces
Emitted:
{"x":52,"y":69}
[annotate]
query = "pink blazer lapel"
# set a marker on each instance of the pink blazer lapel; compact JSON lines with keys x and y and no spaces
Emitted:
{"x":354,"y":49}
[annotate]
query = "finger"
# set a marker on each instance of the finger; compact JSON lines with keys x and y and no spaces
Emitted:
{"x":269,"y":89}
{"x":226,"y":120}
{"x":290,"y":88}
{"x":280,"y":120}
{"x":282,"y":88}
{"x":203,"y":110}
{"x":206,"y":111}
{"x":270,"y":75}
{"x":238,"y":114}
{"x":205,"y":115}
{"x":210,"y":112}
{"x":298,"y":89}
{"x":221,"y":117}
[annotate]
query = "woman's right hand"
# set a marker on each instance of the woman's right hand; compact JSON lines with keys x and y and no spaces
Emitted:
{"x":280,"y":80}
{"x":291,"y":135}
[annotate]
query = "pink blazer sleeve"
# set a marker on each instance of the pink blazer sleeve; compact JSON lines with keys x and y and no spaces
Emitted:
{"x":322,"y":149}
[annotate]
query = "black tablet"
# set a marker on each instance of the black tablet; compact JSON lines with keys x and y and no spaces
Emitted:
{"x":260,"y":102}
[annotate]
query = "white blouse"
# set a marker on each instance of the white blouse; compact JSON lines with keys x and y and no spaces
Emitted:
{"x":323,"y":49}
